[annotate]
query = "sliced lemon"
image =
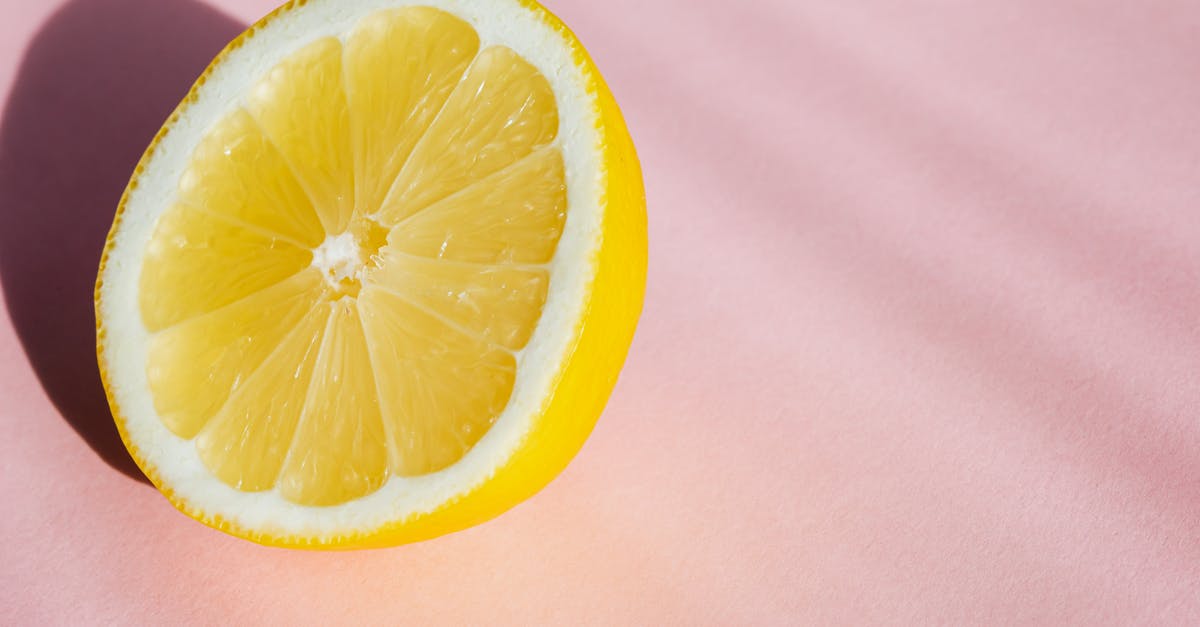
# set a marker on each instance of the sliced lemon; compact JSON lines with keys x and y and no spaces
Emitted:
{"x":374,"y":279}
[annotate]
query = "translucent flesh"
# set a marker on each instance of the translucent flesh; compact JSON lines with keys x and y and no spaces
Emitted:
{"x":236,"y":172}
{"x":501,"y":111}
{"x":195,"y":365}
{"x":301,"y":107}
{"x":513,"y":216}
{"x":443,"y":387}
{"x":390,"y":104}
{"x":197,"y":261}
{"x":499,"y":304}
{"x":339,"y":451}
{"x":437,"y":159}
{"x":246,"y":443}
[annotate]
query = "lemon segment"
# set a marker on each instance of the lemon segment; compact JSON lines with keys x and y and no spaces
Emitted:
{"x":238,"y":174}
{"x":501,"y":111}
{"x":445,"y":387}
{"x":499,"y":304}
{"x":246,"y":443}
{"x":391,"y":105}
{"x":513,"y":216}
{"x":198,"y":261}
{"x":339,"y":452}
{"x":195,"y":365}
{"x":301,"y":106}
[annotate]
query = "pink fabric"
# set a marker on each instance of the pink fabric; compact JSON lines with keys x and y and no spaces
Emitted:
{"x":920,"y":342}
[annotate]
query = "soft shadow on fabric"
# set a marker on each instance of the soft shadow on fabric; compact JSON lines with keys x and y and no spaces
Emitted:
{"x":96,"y":83}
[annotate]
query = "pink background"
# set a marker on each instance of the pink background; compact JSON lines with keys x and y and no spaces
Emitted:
{"x":921,"y":337}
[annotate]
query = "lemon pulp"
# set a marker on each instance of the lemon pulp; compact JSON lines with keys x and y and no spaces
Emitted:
{"x":355,"y":259}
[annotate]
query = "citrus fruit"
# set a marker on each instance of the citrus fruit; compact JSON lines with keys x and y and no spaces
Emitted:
{"x":374,"y":279}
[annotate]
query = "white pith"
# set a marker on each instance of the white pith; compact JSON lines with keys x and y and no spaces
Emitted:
{"x":498,"y":22}
{"x":338,"y":258}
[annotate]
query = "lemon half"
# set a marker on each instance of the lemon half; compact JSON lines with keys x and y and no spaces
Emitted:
{"x":374,"y":279}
